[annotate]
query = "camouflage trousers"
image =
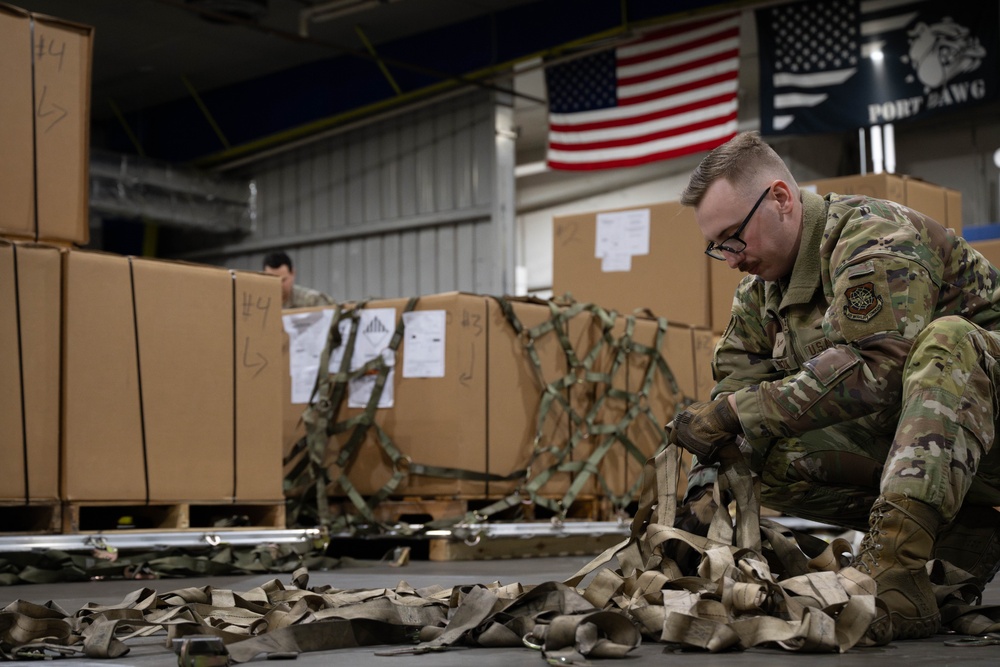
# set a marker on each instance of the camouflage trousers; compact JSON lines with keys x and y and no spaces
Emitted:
{"x":937,"y":446}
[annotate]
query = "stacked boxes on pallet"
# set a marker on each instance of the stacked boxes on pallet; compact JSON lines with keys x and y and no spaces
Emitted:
{"x":44,"y":127}
{"x":172,"y":371}
{"x":132,"y":381}
{"x":138,"y":382}
{"x":490,"y":397}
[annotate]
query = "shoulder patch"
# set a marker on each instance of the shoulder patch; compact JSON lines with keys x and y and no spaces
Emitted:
{"x":862,"y":302}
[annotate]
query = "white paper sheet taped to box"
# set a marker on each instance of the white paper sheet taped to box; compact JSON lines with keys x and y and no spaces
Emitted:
{"x":307,"y":334}
{"x":619,"y":236}
{"x":424,"y":344}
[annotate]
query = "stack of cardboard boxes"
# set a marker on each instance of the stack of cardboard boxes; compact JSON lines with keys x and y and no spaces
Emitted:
{"x":126,"y":380}
{"x":513,"y":395}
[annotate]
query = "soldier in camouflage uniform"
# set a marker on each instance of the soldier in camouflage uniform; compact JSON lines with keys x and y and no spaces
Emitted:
{"x":292,"y":295}
{"x":859,"y":372}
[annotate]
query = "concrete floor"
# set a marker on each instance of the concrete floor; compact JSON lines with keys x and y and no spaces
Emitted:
{"x":419,"y":573}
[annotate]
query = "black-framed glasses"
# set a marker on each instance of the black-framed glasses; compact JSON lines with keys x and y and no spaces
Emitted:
{"x":734,"y":244}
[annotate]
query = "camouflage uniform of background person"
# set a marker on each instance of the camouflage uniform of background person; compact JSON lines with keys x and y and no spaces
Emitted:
{"x":292,"y":295}
{"x":859,"y":371}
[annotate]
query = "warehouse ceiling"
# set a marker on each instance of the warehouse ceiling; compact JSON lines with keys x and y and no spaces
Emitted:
{"x":145,"y":49}
{"x":205,"y":81}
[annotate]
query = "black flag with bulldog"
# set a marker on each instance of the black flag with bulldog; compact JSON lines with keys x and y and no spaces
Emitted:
{"x":835,"y":65}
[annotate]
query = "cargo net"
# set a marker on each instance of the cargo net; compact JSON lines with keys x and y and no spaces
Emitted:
{"x":585,"y":417}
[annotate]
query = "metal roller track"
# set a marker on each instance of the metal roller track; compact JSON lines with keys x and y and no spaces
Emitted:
{"x":152,"y":540}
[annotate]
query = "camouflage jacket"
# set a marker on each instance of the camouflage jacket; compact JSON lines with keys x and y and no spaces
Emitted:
{"x":829,"y":343}
{"x":306,"y":297}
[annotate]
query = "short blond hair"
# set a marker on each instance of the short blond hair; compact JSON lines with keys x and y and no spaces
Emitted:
{"x":745,"y":161}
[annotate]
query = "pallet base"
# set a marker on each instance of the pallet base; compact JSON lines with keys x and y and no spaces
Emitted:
{"x":421,"y":547}
{"x":18,"y":518}
{"x":81,"y":517}
{"x":416,"y":510}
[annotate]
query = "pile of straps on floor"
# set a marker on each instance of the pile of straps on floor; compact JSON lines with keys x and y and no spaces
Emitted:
{"x":755,"y":584}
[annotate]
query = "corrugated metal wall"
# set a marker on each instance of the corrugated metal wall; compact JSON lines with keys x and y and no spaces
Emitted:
{"x":404,"y":207}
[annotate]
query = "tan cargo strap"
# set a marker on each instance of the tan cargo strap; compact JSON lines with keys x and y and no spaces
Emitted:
{"x":52,"y":566}
{"x":360,"y":424}
{"x":278,"y":621}
{"x":736,"y":601}
{"x":311,"y":471}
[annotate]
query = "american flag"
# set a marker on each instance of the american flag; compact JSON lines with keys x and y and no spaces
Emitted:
{"x":671,"y":93}
{"x":818,"y":73}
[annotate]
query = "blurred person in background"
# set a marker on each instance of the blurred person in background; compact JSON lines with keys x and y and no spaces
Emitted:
{"x":292,"y":295}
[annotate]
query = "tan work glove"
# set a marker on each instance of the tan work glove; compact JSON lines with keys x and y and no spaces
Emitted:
{"x":705,"y":428}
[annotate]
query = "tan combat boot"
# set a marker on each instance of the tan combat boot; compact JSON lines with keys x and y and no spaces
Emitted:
{"x":972,"y":542}
{"x":894,"y":552}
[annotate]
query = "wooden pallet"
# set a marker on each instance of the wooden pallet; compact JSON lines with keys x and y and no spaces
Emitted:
{"x":405,"y":510}
{"x":416,"y":510}
{"x":90,"y":516}
{"x":591,"y":508}
{"x":34,"y":518}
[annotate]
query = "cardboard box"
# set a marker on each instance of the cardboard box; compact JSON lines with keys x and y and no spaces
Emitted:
{"x":30,"y":294}
{"x":671,"y":280}
{"x":260,"y":380}
{"x":704,"y":352}
{"x":156,"y":381}
{"x":292,"y":426}
{"x":439,"y":422}
{"x":990,"y":250}
{"x":184,"y":328}
{"x":942,"y":204}
{"x":102,"y":415}
{"x":45,"y":66}
{"x":724,"y":281}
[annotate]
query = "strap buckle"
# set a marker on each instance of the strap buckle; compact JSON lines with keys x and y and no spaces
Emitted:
{"x":201,"y":651}
{"x":988,"y":639}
